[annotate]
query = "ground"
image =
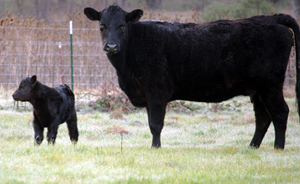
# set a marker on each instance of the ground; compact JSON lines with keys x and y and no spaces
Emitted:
{"x":208,"y":145}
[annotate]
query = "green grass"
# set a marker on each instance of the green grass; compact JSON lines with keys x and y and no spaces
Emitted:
{"x":207,"y":146}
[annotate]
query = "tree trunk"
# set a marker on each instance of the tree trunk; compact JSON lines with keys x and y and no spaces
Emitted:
{"x":20,"y":6}
{"x":296,"y":6}
{"x":154,"y":4}
{"x":41,"y":9}
{"x":122,"y":3}
{"x":36,"y":5}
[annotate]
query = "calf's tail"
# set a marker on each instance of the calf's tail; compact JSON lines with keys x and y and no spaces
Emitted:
{"x":290,"y":22}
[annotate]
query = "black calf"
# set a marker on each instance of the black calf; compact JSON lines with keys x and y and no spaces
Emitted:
{"x":51,"y":107}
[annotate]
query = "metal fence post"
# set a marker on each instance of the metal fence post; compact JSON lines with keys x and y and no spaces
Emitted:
{"x":71,"y":47}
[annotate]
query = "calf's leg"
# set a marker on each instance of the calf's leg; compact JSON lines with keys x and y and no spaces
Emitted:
{"x":52,"y":132}
{"x":72,"y":128}
{"x":38,"y":131}
{"x":263,"y":121}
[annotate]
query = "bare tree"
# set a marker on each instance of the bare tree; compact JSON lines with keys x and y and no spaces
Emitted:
{"x":105,"y":3}
{"x":1,"y":7}
{"x":36,"y":5}
{"x":122,"y":3}
{"x":19,"y":4}
{"x":296,"y":6}
{"x":41,"y":9}
{"x":154,"y":4}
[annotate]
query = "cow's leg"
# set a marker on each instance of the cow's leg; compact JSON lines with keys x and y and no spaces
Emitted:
{"x":52,"y":132}
{"x":263,"y":121}
{"x":38,"y":131}
{"x":278,"y":110}
{"x":156,"y":114}
{"x":72,"y":128}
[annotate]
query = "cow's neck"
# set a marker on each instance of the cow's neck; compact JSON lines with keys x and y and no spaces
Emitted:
{"x":39,"y":98}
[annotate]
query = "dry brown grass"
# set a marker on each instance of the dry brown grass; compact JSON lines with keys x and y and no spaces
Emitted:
{"x":117,"y":114}
{"x":117,"y":129}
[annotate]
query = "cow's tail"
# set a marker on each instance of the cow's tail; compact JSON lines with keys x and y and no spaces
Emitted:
{"x":290,"y":22}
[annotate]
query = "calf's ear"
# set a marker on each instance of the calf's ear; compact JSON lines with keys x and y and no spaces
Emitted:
{"x":92,"y":14}
{"x":134,"y":16}
{"x":33,"y":80}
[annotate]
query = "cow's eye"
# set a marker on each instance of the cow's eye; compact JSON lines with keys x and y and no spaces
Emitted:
{"x":122,"y":28}
{"x":102,"y":27}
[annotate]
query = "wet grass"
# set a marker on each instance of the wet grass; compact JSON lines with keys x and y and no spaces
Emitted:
{"x":207,"y":146}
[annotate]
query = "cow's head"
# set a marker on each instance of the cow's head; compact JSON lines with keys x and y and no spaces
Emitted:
{"x":114,"y":23}
{"x":24,"y":92}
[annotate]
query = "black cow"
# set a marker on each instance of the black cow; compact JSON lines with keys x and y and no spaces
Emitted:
{"x":51,"y":107}
{"x":157,"y":62}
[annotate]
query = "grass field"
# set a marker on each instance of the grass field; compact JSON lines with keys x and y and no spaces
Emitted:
{"x":209,"y":145}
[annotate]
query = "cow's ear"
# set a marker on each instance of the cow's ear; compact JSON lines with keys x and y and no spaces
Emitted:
{"x":92,"y":14}
{"x":134,"y":16}
{"x":33,"y":80}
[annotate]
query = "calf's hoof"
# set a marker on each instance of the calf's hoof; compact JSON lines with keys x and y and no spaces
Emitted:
{"x":156,"y":146}
{"x":38,"y":140}
{"x":51,"y":141}
{"x":74,"y":141}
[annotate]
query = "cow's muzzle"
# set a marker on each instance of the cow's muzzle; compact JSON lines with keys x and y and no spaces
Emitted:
{"x":111,"y":48}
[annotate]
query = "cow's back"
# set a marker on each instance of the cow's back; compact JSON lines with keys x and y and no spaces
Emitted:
{"x":67,"y":97}
{"x":65,"y":90}
{"x":54,"y":103}
{"x":212,"y":61}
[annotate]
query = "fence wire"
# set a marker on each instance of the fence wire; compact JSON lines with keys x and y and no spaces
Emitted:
{"x":45,"y":52}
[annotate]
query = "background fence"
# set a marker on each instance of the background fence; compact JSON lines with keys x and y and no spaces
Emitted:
{"x":30,"y":47}
{"x":49,"y":58}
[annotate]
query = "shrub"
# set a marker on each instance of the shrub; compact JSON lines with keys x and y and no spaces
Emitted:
{"x":112,"y":102}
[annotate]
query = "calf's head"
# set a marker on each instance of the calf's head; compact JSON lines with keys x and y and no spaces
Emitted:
{"x":24,"y":92}
{"x":114,"y":26}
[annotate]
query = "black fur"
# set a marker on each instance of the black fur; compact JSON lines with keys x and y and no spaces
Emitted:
{"x":158,"y":62}
{"x":51,"y":107}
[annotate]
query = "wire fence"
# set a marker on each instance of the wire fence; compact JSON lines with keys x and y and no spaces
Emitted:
{"x":39,"y":53}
